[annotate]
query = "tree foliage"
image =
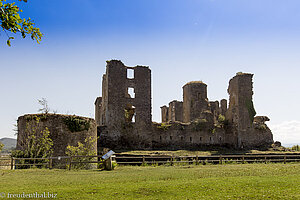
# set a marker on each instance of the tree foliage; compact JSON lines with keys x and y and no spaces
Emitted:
{"x":86,"y":149}
{"x":38,"y":143}
{"x":12,"y":22}
{"x":1,"y":146}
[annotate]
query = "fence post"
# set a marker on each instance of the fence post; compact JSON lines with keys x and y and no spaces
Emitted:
{"x":197,"y":160}
{"x":12,"y":163}
{"x":221,"y":159}
{"x":265,"y":159}
{"x":243,"y":159}
{"x":70,"y":162}
{"x":143,"y":160}
{"x":172,"y":161}
{"x":50,"y":163}
{"x":284,"y":159}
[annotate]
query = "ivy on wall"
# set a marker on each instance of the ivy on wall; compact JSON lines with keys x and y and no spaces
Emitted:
{"x":77,"y":124}
{"x":251,"y":110}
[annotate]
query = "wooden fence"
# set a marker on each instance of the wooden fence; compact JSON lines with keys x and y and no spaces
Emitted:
{"x":51,"y":162}
{"x":70,"y":161}
{"x":215,"y":159}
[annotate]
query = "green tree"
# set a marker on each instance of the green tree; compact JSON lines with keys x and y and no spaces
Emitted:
{"x":11,"y":22}
{"x":1,"y":146}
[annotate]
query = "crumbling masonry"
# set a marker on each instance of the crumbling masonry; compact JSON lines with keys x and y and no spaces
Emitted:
{"x":123,"y":114}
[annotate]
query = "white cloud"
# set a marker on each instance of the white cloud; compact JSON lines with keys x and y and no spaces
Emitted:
{"x":287,"y":132}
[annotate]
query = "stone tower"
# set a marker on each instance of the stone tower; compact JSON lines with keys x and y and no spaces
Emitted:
{"x":241,"y":110}
{"x":124,"y":99}
{"x":194,"y":100}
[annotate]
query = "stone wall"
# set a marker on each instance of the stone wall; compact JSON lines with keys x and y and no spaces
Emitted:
{"x":97,"y":111}
{"x":194,"y":100}
{"x":175,"y":112}
{"x":187,"y":136}
{"x":241,"y":113}
{"x":223,"y":107}
{"x":60,"y":133}
{"x":164,"y":114}
{"x":120,"y":108}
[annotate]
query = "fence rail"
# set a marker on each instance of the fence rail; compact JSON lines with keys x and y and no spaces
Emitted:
{"x":215,"y":159}
{"x":69,"y":161}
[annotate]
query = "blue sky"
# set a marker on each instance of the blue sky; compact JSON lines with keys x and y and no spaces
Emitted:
{"x":180,"y":40}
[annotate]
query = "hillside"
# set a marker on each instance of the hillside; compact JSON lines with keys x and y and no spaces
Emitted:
{"x":9,"y":143}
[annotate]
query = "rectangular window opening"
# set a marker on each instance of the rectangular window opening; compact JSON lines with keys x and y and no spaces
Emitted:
{"x":130,"y":73}
{"x":131,"y":92}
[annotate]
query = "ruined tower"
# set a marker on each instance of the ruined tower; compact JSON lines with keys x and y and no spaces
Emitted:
{"x":194,"y":100}
{"x":124,"y":99}
{"x":241,"y":109}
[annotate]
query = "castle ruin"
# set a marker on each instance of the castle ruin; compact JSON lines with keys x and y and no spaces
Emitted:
{"x":124,"y":120}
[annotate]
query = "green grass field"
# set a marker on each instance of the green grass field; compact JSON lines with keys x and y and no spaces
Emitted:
{"x":230,"y":181}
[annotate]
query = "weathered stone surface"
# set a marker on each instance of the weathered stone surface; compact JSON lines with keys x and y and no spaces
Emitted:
{"x":164,"y":114}
{"x":175,"y":111}
{"x":194,"y":123}
{"x":223,"y":107}
{"x":194,"y":100}
{"x":59,"y":131}
{"x":120,"y":111}
{"x":241,"y":113}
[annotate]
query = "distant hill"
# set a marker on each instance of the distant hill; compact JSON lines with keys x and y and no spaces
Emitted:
{"x":9,"y":143}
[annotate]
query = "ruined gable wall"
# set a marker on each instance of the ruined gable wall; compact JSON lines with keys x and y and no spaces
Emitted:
{"x":223,"y":108}
{"x":175,"y":112}
{"x":215,"y":109}
{"x":241,"y":114}
{"x":164,"y":114}
{"x":116,"y":75}
{"x":142,"y":101}
{"x":117,"y":100}
{"x":240,"y":96}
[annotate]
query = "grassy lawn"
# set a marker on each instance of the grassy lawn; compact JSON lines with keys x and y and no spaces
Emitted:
{"x":231,"y":181}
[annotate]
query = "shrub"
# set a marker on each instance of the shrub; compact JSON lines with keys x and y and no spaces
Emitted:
{"x":37,"y":145}
{"x":114,"y":165}
{"x":164,"y":126}
{"x":221,"y":119}
{"x":296,"y":148}
{"x":261,"y":127}
{"x":77,"y":124}
{"x":1,"y":146}
{"x":85,"y":149}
